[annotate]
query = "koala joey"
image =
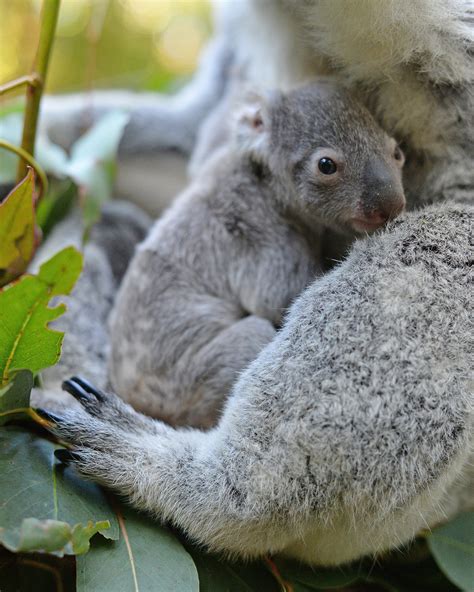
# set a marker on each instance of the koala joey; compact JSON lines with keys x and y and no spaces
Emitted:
{"x":210,"y":284}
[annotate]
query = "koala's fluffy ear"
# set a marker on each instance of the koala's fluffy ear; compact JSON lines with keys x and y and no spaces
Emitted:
{"x":252,"y":123}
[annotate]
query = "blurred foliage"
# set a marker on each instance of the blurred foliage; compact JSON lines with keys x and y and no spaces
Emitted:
{"x":137,"y":44}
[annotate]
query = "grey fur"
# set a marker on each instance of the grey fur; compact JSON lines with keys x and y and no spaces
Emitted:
{"x":328,"y":448}
{"x":353,"y":429}
{"x":206,"y":289}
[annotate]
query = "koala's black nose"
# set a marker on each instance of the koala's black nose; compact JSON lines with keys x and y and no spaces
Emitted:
{"x":383,"y":197}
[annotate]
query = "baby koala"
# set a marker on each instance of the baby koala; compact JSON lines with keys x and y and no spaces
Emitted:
{"x":207,"y":289}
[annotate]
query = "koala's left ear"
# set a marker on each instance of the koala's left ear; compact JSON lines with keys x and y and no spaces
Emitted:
{"x":252,"y":123}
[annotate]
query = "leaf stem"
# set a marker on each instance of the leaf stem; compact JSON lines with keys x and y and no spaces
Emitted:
{"x":28,"y":159}
{"x":49,"y":18}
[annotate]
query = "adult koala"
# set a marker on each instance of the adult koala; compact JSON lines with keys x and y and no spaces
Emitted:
{"x":355,"y":423}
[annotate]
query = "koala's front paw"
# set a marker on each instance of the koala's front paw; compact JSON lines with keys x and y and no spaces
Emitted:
{"x":96,"y":446}
{"x":108,"y":407}
{"x":105,"y":434}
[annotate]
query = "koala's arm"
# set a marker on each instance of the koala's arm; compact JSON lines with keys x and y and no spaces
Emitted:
{"x":356,"y":418}
{"x":157,"y":122}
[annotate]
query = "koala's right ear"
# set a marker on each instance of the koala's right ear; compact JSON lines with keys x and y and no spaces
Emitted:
{"x":252,"y":123}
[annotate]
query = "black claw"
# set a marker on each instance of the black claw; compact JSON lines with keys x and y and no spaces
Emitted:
{"x":66,"y":456}
{"x":88,"y":387}
{"x":77,"y":391}
{"x":48,"y":415}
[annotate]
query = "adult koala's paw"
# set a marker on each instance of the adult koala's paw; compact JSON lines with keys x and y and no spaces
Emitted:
{"x":108,"y":407}
{"x":106,"y":435}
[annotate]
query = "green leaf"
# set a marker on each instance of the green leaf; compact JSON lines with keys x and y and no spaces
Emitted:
{"x":22,"y":572}
{"x":146,"y":558}
{"x":44,"y":506}
{"x":92,"y":163}
{"x":10,"y":129}
{"x":318,"y":578}
{"x":452,"y":545}
{"x":16,"y":395}
{"x":218,"y":575}
{"x":17,"y":229}
{"x":55,"y":206}
{"x":51,"y":157}
{"x":423,"y":575}
{"x":25,"y":339}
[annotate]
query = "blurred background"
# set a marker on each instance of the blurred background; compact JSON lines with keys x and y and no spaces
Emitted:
{"x":136,"y":44}
{"x":149,"y":45}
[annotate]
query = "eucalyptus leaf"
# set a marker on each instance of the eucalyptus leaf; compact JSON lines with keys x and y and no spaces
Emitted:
{"x":218,"y":575}
{"x":16,"y":395}
{"x":452,"y":545}
{"x":55,"y":206}
{"x":25,"y":339}
{"x":146,"y":558}
{"x":92,"y":163}
{"x":10,"y":129}
{"x":319,"y":578}
{"x":24,"y":572}
{"x":44,"y":506}
{"x":50,"y":156}
{"x":17,"y":229}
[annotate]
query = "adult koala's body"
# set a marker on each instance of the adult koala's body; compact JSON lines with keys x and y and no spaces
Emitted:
{"x":353,"y":429}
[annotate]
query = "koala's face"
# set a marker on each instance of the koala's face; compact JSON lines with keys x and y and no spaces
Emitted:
{"x":338,"y":165}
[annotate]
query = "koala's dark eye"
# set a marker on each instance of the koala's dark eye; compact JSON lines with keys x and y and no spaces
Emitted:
{"x":397,"y":153}
{"x":327,"y":166}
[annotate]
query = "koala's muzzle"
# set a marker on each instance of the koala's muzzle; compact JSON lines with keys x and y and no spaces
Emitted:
{"x":383,"y":197}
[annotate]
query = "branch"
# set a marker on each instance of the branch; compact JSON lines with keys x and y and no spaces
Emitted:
{"x":49,"y":17}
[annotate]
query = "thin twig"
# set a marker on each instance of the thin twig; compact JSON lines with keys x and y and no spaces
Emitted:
{"x":29,"y":160}
{"x":28,"y":79}
{"x":49,"y":18}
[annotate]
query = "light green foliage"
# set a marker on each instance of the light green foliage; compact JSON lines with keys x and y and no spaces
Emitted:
{"x":146,"y":558}
{"x":15,"y":395}
{"x":25,"y":339}
{"x":54,"y":512}
{"x":92,"y":163}
{"x":17,"y":229}
{"x":218,"y":575}
{"x":452,"y":546}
